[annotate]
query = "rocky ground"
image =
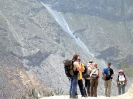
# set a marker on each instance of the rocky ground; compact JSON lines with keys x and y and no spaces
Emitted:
{"x":99,"y":97}
{"x":127,"y":95}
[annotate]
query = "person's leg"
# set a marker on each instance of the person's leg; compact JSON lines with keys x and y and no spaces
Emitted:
{"x":123,"y":89}
{"x":81,"y":87}
{"x":95,"y":87}
{"x":74,"y":85}
{"x":119,"y":89}
{"x":86,"y":83}
{"x":109,"y":88}
{"x":70,"y":87}
{"x":91,"y":88}
{"x":88,"y":87}
{"x":105,"y":86}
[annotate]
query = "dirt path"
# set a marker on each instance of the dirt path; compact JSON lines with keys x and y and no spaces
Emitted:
{"x":79,"y":97}
{"x":67,"y":97}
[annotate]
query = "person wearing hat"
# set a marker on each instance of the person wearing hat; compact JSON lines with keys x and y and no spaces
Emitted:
{"x":87,"y":80}
{"x":121,"y":82}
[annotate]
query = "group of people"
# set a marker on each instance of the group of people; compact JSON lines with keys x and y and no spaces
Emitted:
{"x":92,"y":79}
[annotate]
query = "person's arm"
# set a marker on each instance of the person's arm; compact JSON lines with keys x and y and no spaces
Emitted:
{"x":125,"y":80}
{"x":112,"y":73}
{"x":78,"y":68}
{"x":89,"y":71}
{"x":82,"y":67}
{"x":98,"y":73}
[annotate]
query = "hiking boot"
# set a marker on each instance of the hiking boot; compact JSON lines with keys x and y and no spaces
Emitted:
{"x":74,"y":97}
{"x":84,"y":96}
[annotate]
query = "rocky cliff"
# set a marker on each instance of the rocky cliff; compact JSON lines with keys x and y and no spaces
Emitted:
{"x":34,"y":45}
{"x":112,"y":10}
{"x":104,"y":26}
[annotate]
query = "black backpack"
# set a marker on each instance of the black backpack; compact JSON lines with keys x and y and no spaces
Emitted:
{"x":84,"y":74}
{"x":68,"y":67}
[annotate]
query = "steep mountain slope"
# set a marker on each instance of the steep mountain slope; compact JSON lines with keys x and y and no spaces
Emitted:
{"x":109,"y":40}
{"x":104,"y":26}
{"x":33,"y":45}
{"x":108,"y":36}
{"x":15,"y":82}
{"x":112,"y":10}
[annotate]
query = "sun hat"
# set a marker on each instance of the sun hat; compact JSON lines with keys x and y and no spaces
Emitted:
{"x":121,"y":71}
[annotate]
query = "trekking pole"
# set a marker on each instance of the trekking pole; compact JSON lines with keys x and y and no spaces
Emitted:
{"x":85,"y":88}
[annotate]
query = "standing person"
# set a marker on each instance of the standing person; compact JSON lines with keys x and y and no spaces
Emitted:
{"x":121,"y":82}
{"x":74,"y":80}
{"x":87,"y":80}
{"x":90,"y":64}
{"x":80,"y":81}
{"x":108,"y":73}
{"x":95,"y":73}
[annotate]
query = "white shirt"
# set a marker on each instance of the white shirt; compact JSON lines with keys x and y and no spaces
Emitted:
{"x":121,"y":78}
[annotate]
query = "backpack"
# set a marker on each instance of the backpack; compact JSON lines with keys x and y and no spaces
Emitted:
{"x":94,"y":74}
{"x":84,"y":74}
{"x":121,"y":79}
{"x":106,"y":74}
{"x":68,"y":67}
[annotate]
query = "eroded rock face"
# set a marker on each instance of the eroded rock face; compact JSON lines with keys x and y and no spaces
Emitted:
{"x":32,"y":40}
{"x":33,"y":44}
{"x":114,"y":9}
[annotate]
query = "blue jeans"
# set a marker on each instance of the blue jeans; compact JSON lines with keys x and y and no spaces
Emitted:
{"x":73,"y":85}
{"x":81,"y":87}
{"x":87,"y":85}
